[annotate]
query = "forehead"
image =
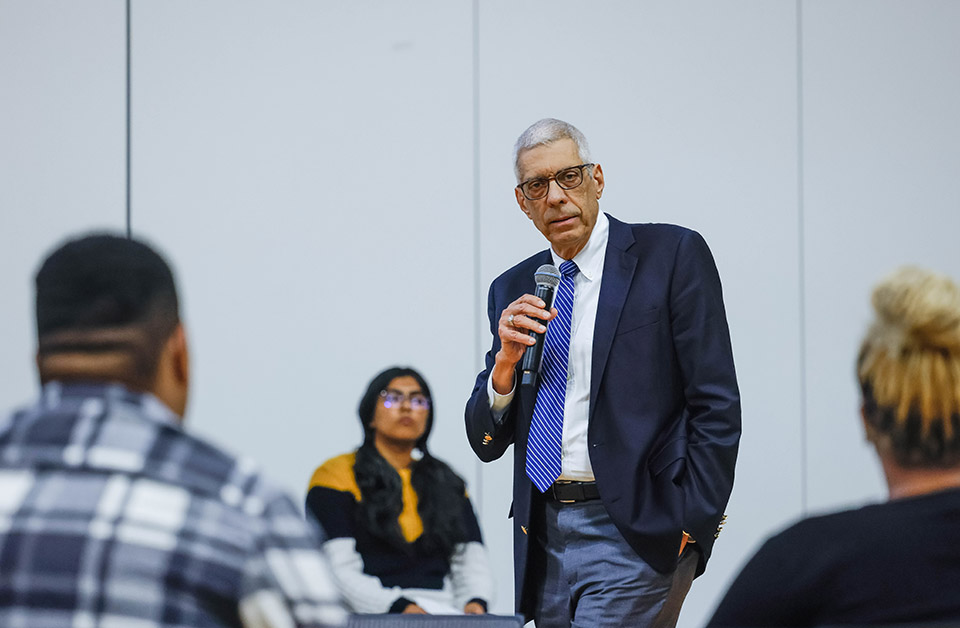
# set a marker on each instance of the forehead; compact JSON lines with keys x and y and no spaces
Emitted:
{"x":546,"y":159}
{"x":406,"y":384}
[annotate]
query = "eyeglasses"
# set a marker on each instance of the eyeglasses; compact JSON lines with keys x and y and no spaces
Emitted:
{"x":567,"y":179}
{"x":418,"y":401}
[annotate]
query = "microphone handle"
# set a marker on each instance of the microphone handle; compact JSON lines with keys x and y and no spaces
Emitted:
{"x":530,"y":366}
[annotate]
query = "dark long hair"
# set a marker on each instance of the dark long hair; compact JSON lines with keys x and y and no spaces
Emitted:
{"x":440,"y":491}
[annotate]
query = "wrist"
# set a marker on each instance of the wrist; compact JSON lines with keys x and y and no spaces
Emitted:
{"x":503,"y":374}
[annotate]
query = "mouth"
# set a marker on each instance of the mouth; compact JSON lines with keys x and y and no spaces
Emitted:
{"x":564,"y":222}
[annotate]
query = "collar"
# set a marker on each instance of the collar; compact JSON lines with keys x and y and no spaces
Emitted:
{"x":55,"y":392}
{"x":590,"y":259}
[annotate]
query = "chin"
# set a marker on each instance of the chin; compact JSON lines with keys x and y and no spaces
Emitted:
{"x":566,"y":240}
{"x":408,"y":438}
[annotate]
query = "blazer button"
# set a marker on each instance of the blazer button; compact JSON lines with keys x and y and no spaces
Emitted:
{"x":723,"y":520}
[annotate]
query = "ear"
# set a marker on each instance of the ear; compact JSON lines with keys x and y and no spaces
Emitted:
{"x":36,"y":360}
{"x":181,"y":356}
{"x":598,"y":178}
{"x":173,"y":372}
{"x":522,"y":202}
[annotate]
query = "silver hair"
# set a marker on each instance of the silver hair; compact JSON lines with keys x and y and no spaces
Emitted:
{"x":547,"y":131}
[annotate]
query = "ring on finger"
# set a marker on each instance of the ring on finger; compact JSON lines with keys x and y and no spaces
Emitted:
{"x":510,"y":320}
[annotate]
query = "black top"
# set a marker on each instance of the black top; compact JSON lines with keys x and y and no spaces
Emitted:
{"x":889,"y":563}
{"x":334,"y":498}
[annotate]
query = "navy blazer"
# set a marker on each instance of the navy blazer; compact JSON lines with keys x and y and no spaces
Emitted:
{"x":664,"y":422}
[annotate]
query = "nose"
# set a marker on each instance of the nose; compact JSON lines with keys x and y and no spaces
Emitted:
{"x":555,"y":193}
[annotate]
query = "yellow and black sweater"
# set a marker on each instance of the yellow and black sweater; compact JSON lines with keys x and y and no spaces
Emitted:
{"x":375,"y":575}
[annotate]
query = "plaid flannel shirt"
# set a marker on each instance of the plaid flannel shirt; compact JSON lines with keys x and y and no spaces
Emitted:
{"x":112,"y":517}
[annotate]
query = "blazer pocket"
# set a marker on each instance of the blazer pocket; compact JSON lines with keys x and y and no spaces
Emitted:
{"x":631,"y":322}
{"x":671,"y":452}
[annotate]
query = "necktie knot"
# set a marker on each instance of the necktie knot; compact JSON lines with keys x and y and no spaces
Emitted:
{"x":569,"y":269}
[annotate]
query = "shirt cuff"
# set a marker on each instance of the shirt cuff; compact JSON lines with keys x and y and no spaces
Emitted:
{"x":499,"y":403}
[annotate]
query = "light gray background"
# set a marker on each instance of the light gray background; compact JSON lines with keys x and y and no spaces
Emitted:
{"x":332,"y":182}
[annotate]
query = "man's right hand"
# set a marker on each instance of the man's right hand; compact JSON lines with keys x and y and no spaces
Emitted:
{"x":517,"y":320}
{"x":413,"y":609}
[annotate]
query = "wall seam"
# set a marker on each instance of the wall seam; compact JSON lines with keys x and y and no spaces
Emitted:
{"x":801,"y":250}
{"x":128,"y":194}
{"x":477,"y":301}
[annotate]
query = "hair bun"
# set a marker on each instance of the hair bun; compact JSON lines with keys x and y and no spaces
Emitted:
{"x":922,"y":307}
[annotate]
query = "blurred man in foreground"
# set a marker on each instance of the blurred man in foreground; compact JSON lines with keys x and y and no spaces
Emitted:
{"x":110,"y":514}
{"x":897,"y":562}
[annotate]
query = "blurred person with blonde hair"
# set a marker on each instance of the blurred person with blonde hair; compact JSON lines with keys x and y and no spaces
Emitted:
{"x":897,"y":561}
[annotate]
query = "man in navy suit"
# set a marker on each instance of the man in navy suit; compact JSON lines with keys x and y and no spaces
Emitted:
{"x":625,"y":445}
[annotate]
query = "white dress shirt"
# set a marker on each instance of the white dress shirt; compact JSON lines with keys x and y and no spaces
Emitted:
{"x":575,"y":463}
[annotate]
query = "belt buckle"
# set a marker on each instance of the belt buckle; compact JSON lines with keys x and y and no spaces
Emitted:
{"x":562,"y":501}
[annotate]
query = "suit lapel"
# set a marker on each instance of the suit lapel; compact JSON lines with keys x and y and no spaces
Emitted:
{"x":619,"y":266}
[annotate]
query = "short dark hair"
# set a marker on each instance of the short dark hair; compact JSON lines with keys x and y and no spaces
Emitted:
{"x":106,"y":282}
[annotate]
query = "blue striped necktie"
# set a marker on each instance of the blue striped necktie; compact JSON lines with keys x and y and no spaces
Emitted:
{"x":546,"y":428}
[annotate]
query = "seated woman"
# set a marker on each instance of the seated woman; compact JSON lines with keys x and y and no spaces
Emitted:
{"x":896,"y":562}
{"x":403,"y":537}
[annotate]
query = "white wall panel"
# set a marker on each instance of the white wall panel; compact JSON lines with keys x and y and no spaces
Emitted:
{"x":62,"y":123}
{"x":881,"y":136}
{"x":308,"y":166}
{"x":691,"y":108}
{"x":309,"y":169}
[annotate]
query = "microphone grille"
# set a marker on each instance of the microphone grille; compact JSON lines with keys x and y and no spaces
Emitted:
{"x":548,"y":274}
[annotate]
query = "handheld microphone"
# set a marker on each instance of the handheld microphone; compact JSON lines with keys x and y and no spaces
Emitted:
{"x":547,"y":278}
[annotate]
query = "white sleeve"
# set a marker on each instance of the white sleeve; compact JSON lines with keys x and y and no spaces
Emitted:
{"x":363,"y":593}
{"x":470,"y":574}
{"x":499,"y":403}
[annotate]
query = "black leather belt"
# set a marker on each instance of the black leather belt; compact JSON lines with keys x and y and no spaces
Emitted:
{"x":570,"y":492}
